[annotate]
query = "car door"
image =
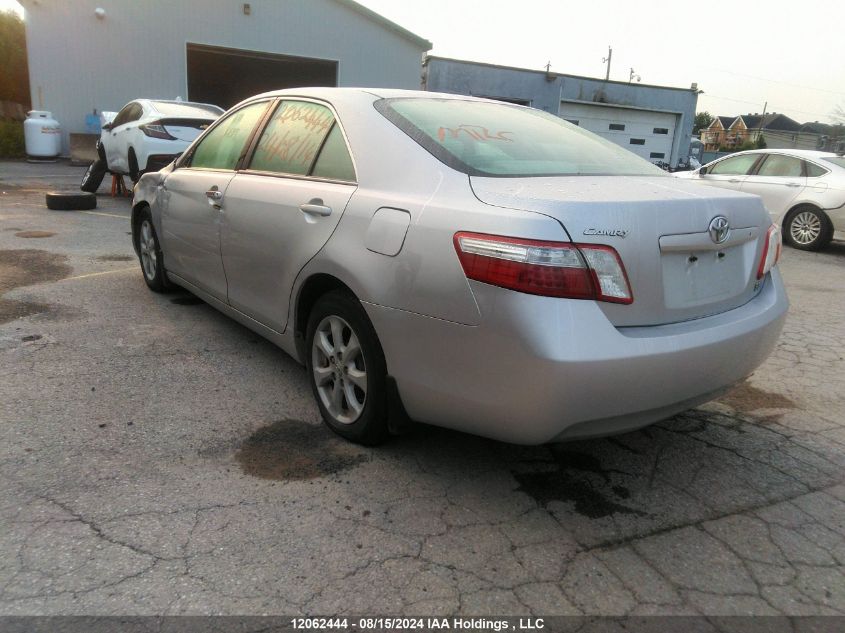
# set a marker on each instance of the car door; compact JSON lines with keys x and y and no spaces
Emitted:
{"x":729,"y":172}
{"x":779,"y":180}
{"x":109,"y":136}
{"x":117,"y":138}
{"x":283,"y":208}
{"x":193,"y":199}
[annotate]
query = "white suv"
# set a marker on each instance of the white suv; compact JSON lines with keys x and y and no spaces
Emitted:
{"x":145,"y":136}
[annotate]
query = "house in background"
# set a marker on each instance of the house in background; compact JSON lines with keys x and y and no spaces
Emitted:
{"x":715,"y":134}
{"x":777,"y":131}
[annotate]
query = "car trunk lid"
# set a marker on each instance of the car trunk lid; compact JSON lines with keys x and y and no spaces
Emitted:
{"x":185,"y":129}
{"x":660,"y":226}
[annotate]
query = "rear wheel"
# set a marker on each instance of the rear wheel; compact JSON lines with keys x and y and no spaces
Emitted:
{"x":808,"y":228}
{"x":134,"y":173}
{"x":149,"y":253}
{"x":346,"y":369}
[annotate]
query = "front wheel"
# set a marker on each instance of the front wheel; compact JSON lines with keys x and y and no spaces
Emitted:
{"x":150,"y":255}
{"x":808,"y":228}
{"x":347,"y":369}
{"x":94,"y":176}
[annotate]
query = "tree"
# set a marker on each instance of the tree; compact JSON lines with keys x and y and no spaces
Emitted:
{"x":702,"y":120}
{"x":14,"y":80}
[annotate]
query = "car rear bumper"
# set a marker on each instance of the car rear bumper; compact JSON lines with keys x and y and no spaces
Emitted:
{"x":539,"y":369}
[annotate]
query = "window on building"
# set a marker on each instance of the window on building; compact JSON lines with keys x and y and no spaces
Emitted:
{"x":637,"y":141}
{"x":657,"y":155}
{"x":619,"y":127}
{"x":661,"y":130}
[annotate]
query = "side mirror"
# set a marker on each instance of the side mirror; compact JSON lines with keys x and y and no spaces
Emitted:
{"x":107,"y":126}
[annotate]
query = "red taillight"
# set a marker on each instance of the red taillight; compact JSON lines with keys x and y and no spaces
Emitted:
{"x":551,"y":269}
{"x":156,"y":130}
{"x":771,"y":251}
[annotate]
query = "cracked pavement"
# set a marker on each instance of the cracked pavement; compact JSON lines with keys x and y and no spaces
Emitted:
{"x":159,"y":459}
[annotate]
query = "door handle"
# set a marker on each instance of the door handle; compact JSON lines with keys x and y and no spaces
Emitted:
{"x":793,"y":184}
{"x":214,"y":194}
{"x":316,"y":207}
{"x":734,"y":180}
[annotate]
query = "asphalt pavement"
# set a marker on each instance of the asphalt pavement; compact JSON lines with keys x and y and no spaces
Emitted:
{"x":159,"y":458}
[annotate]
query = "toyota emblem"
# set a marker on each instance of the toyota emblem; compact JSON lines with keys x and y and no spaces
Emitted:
{"x":719,"y":229}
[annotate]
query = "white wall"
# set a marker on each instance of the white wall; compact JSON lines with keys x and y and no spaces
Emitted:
{"x":78,"y":62}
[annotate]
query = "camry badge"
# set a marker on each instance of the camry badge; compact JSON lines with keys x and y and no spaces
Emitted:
{"x":607,"y":232}
{"x":719,"y":229}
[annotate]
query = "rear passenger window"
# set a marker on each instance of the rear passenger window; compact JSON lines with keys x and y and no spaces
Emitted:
{"x":814,"y":171}
{"x":780,"y":166}
{"x":334,"y":161}
{"x":223,"y":146}
{"x":292,"y":138}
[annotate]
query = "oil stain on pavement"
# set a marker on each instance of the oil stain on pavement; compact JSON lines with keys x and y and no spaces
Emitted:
{"x":578,"y":479}
{"x":115,"y":258}
{"x":294,"y":450}
{"x":26,"y":267}
{"x":748,"y":398}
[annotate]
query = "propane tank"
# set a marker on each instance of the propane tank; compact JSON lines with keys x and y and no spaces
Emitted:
{"x":42,"y":134}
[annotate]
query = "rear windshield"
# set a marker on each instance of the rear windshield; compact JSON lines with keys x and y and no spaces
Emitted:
{"x":501,"y":140}
{"x":839,"y":161}
{"x":176,"y":108}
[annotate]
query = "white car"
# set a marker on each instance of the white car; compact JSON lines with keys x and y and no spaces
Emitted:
{"x":803,"y":190}
{"x":145,"y":136}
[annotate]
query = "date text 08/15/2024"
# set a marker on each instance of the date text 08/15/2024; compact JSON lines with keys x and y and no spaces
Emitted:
{"x":417,"y":624}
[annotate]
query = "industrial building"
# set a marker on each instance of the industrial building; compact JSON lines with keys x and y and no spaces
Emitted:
{"x":654,"y":122}
{"x":89,"y":54}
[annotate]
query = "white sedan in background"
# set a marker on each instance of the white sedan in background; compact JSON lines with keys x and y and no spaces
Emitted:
{"x":145,"y":136}
{"x":803,"y":190}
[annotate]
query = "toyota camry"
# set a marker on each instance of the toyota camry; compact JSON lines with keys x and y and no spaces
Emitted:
{"x":466,"y":263}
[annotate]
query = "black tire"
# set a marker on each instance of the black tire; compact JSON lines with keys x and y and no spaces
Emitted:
{"x":367,"y":424}
{"x":71,"y":201}
{"x":807,"y":228}
{"x":149,"y":253}
{"x":94,"y":176}
{"x":134,"y":173}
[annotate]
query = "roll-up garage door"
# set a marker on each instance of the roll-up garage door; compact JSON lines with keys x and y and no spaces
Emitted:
{"x":646,"y":133}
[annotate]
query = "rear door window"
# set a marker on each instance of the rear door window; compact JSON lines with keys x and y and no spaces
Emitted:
{"x":334,"y":161}
{"x":813,"y":170}
{"x":224,"y":145}
{"x":781,"y":166}
{"x":292,"y":138}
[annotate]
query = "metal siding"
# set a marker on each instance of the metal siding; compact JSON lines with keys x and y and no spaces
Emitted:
{"x":78,"y":62}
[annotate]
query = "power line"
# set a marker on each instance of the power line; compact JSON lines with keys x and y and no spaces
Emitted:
{"x":778,"y":81}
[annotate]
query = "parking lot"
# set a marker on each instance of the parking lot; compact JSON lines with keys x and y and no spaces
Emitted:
{"x":159,"y":458}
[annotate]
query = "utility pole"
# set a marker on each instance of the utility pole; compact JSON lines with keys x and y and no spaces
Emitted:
{"x":606,"y":60}
{"x":762,"y":118}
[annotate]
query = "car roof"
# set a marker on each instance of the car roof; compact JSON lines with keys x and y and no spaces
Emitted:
{"x":341,"y":95}
{"x":798,"y":153}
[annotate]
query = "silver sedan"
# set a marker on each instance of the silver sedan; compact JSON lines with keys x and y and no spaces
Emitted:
{"x":466,"y":263}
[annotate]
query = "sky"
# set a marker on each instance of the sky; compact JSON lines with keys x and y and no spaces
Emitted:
{"x":786,"y":56}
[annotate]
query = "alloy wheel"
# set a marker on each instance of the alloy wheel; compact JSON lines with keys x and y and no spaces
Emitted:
{"x":340,"y":373}
{"x":147,"y":246}
{"x":805,"y":228}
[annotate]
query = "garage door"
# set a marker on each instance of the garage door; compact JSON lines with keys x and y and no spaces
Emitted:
{"x":647,"y":134}
{"x":226,"y":76}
